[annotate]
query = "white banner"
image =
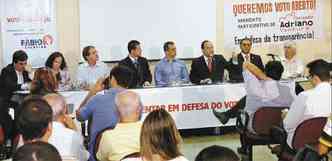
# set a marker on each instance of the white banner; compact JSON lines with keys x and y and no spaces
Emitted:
{"x":29,"y":25}
{"x":271,"y":21}
{"x":191,"y":107}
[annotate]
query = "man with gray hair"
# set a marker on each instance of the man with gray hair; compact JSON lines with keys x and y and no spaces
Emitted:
{"x":293,"y":66}
{"x":65,"y":136}
{"x":124,"y":138}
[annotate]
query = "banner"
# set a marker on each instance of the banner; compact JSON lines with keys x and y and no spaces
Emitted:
{"x":191,"y":106}
{"x":29,"y":25}
{"x":271,"y":21}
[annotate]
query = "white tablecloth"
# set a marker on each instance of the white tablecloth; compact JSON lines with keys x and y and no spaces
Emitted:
{"x":190,"y":106}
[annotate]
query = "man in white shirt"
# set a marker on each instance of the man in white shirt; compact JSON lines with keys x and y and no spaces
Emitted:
{"x":293,"y":66}
{"x":312,"y":103}
{"x":65,"y":136}
{"x":124,"y":139}
{"x":264,"y":90}
{"x":89,"y":72}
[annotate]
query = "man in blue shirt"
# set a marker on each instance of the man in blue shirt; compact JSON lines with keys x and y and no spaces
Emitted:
{"x":169,"y":70}
{"x":101,"y":107}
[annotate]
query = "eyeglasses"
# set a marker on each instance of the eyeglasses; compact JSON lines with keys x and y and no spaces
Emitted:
{"x":22,"y":63}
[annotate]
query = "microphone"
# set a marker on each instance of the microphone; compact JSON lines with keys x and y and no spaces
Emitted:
{"x":273,"y":56}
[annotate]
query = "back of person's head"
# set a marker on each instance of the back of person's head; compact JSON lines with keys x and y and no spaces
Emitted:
{"x":34,"y":117}
{"x":123,"y":75}
{"x":274,"y":69}
{"x":129,"y":106}
{"x":217,"y":153}
{"x":57,"y":103}
{"x":160,"y":136}
{"x":19,"y":55}
{"x":37,"y":151}
{"x":86,"y":52}
{"x":320,"y":68}
{"x":132,"y":45}
{"x":43,"y":82}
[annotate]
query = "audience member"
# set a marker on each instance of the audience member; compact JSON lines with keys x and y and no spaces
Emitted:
{"x":160,"y":139}
{"x":235,"y":69}
{"x":57,"y":64}
{"x":208,"y":68}
{"x":37,"y":151}
{"x":65,"y":136}
{"x":312,"y":103}
{"x":101,"y":108}
{"x":34,"y":120}
{"x":137,"y":63}
{"x":43,"y":82}
{"x":217,"y":153}
{"x":89,"y":72}
{"x":124,"y":138}
{"x":170,"y":71}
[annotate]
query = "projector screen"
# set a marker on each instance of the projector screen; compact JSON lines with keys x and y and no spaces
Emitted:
{"x":111,"y":24}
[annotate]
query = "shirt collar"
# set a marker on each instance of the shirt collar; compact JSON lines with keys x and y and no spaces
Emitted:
{"x":244,"y":55}
{"x":323,"y":85}
{"x":86,"y":64}
{"x":132,"y":59}
{"x":166,"y":60}
{"x":56,"y":124}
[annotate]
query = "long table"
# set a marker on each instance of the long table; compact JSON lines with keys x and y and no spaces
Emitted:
{"x":190,"y":106}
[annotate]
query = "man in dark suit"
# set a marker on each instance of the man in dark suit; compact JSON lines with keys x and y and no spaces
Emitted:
{"x":208,"y":68}
{"x":13,"y":77}
{"x":139,"y":64}
{"x":235,"y":70}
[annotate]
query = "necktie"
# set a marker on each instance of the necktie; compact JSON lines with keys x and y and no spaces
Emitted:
{"x":136,"y":64}
{"x":210,"y":64}
{"x":247,"y":57}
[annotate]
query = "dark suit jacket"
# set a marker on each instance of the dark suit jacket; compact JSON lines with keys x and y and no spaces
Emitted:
{"x":235,"y":71}
{"x":8,"y":79}
{"x":141,"y":74}
{"x":199,"y":69}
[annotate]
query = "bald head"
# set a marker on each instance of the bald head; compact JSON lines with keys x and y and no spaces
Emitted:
{"x":57,"y":103}
{"x":129,"y":106}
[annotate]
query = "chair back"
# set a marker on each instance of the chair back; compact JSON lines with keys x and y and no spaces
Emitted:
{"x":265,"y":118}
{"x":308,"y":132}
{"x":2,"y":136}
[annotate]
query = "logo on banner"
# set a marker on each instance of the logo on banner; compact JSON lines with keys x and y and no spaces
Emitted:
{"x":291,"y":22}
{"x":43,"y":42}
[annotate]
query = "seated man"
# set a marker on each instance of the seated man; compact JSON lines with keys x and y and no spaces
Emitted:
{"x":293,"y":66}
{"x":89,"y":72}
{"x":101,"y":108}
{"x":170,"y":70}
{"x":208,"y":68}
{"x":37,"y":151}
{"x":65,"y":136}
{"x":312,"y":103}
{"x":13,"y":77}
{"x":34,"y":120}
{"x":124,"y":139}
{"x":137,"y":63}
{"x":235,"y":68}
{"x":264,"y":90}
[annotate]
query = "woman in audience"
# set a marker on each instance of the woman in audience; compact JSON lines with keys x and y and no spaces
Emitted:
{"x":160,"y":139}
{"x":43,"y":82}
{"x":217,"y":153}
{"x":57,"y":64}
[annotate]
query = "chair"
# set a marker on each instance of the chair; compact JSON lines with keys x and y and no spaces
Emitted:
{"x":264,"y":119}
{"x":313,"y":126}
{"x":2,"y":144}
{"x":97,"y":143}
